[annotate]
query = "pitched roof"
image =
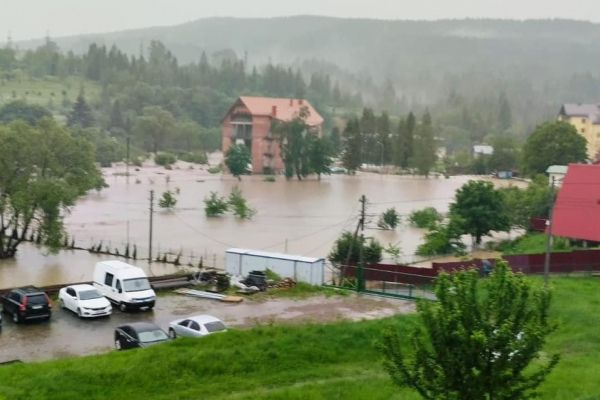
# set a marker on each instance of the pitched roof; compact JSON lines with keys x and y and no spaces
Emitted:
{"x":577,"y":209}
{"x":591,"y":111}
{"x":287,"y":109}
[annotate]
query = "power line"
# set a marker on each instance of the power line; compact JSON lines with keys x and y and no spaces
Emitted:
{"x":411,"y":201}
{"x":203,"y":234}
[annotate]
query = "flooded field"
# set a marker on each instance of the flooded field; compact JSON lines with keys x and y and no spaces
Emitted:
{"x":308,"y":215}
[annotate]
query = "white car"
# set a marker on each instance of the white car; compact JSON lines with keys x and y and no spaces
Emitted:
{"x":84,"y":300}
{"x":198,"y":326}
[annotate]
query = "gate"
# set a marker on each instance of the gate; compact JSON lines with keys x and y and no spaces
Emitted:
{"x":386,"y":280}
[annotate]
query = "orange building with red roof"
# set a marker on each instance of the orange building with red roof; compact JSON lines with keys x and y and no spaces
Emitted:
{"x":248,"y":121}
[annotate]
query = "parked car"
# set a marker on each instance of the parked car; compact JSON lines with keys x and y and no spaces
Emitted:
{"x":198,"y":326}
{"x":84,"y":300}
{"x":124,"y":285}
{"x":138,"y":334}
{"x":27,"y":303}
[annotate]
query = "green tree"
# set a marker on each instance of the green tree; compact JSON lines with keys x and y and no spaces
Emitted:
{"x":404,"y":141}
{"x":21,"y":110}
{"x":239,"y":205}
{"x":553,"y":143}
{"x":293,"y":144}
{"x":116,"y":117}
{"x":425,"y":218}
{"x":389,"y":219}
{"x":443,"y":238}
{"x":384,"y":145}
{"x":154,"y":127}
{"x":372,"y":250}
{"x":81,"y":115}
{"x":168,"y":200}
{"x":533,"y":201}
{"x":505,"y":154}
{"x":215,"y":205}
{"x":481,"y":208}
{"x":336,"y":140}
{"x":424,"y":146}
{"x":479,"y":340}
{"x":237,"y":159}
{"x":319,"y":156}
{"x":44,"y":170}
{"x":505,"y":114}
{"x":352,"y":145}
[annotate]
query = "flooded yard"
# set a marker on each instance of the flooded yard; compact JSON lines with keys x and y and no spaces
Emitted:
{"x":302,"y":217}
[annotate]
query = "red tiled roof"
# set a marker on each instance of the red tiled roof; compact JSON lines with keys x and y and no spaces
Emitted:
{"x":287,"y":109}
{"x":577,"y":209}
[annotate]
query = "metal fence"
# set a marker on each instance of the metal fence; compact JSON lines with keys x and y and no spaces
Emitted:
{"x":386,"y":280}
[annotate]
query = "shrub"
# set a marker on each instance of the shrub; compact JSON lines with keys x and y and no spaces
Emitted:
{"x":443,"y":239}
{"x":389,"y":220}
{"x":372,"y":250}
{"x":165,"y":159}
{"x":196,"y":157}
{"x":239,"y":204}
{"x":425,"y":218}
{"x":269,"y":178}
{"x":215,"y":205}
{"x":215,"y":170}
{"x":167,"y":200}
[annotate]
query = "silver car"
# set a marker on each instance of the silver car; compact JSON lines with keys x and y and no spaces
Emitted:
{"x":198,"y":326}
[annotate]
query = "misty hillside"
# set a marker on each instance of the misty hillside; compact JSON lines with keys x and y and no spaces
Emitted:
{"x":539,"y":64}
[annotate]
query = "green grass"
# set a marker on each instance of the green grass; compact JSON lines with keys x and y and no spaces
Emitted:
{"x":531,"y":243}
{"x":336,"y":361}
{"x":39,"y":91}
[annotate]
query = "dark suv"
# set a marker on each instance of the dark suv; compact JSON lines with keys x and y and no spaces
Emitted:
{"x":27,"y":303}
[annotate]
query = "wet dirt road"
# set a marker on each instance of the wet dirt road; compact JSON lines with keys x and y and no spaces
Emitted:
{"x":66,"y":335}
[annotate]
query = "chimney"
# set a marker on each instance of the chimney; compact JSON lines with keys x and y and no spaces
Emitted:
{"x":274,"y":111}
{"x":300,"y":102}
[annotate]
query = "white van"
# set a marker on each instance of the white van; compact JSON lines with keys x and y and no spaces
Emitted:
{"x":123,"y":284}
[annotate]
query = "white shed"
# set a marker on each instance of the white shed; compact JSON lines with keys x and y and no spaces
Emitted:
{"x":302,"y":269}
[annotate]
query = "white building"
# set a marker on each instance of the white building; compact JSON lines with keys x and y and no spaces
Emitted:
{"x":482,"y":150}
{"x":557,"y":172}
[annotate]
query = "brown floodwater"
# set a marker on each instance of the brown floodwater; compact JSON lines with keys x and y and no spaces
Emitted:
{"x":308,"y":214}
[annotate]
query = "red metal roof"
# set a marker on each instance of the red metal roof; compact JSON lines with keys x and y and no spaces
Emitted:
{"x":577,"y":209}
{"x":285,"y":109}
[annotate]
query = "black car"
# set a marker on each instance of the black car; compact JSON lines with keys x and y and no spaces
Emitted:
{"x":138,"y":334}
{"x":27,"y":303}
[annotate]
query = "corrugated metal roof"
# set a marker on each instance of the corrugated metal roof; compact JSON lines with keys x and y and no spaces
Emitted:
{"x":557,"y":169}
{"x":577,"y":209}
{"x":286,"y":109}
{"x":590,"y":111}
{"x":279,"y":256}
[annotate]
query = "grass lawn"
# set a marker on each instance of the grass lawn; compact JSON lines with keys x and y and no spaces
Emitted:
{"x":336,"y":361}
{"x":532,"y":243}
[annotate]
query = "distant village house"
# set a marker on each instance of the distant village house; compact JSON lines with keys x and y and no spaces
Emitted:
{"x":248,"y":122}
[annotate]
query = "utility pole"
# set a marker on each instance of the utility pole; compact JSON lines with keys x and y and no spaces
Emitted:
{"x":361,"y":226}
{"x":549,"y":237}
{"x":151,"y":217}
{"x":360,"y":272}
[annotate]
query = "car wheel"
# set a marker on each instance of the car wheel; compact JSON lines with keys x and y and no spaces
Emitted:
{"x":62,"y":304}
{"x":79,"y":313}
{"x":172,"y":333}
{"x":123,"y":307}
{"x":118,"y":344}
{"x":16,"y":318}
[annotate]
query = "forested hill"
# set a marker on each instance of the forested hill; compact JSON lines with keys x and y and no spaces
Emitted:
{"x":537,"y":64}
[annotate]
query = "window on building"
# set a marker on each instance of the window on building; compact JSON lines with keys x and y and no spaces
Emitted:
{"x":583,"y":120}
{"x":582,"y":130}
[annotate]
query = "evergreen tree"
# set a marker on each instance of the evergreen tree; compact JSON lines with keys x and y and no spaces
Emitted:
{"x":404,"y":142}
{"x":384,"y":131}
{"x":424,"y":146}
{"x":368,"y":128}
{"x":319,"y":155}
{"x":505,"y":115}
{"x":116,"y":116}
{"x":82,"y":113}
{"x":336,"y":141}
{"x":352,"y":145}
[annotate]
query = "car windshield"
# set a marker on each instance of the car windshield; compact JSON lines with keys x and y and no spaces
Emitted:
{"x":215,"y":326}
{"x":36,"y":299}
{"x":136,"y":285}
{"x":89,"y":295}
{"x":152,"y":336}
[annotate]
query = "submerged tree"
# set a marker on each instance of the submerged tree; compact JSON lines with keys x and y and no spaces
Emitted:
{"x":352,"y":145}
{"x":479,"y":340}
{"x":293,"y":144}
{"x":237,"y":159}
{"x":44,"y":170}
{"x":215,"y":205}
{"x":239,"y":205}
{"x":168,"y":200}
{"x":319,"y":155}
{"x":389,"y":219}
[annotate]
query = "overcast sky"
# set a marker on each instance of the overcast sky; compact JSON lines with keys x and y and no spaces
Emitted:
{"x":27,"y":19}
